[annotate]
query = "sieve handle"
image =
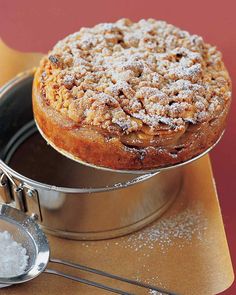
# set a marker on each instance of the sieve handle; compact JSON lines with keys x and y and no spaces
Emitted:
{"x":111,"y":276}
{"x":87,"y":282}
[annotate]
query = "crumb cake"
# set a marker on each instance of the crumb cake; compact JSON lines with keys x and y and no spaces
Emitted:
{"x":133,"y":96}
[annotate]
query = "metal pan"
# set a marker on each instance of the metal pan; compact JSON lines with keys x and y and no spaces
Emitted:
{"x":70,"y":199}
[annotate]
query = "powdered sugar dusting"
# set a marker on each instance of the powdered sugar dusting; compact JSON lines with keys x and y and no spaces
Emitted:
{"x":182,"y":227}
{"x":150,"y":73}
{"x":13,"y":256}
{"x":179,"y":229}
{"x":153,"y":280}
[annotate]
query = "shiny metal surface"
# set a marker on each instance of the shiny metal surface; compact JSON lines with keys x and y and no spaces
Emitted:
{"x":70,"y":199}
{"x":25,"y":231}
{"x":90,"y":210}
{"x":5,"y":189}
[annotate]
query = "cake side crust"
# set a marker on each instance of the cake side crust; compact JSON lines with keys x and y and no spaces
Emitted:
{"x":93,"y":146}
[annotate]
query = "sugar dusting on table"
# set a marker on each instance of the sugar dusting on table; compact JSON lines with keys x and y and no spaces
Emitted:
{"x":178,"y":230}
{"x":184,"y":227}
{"x":181,"y":227}
{"x":13,"y":256}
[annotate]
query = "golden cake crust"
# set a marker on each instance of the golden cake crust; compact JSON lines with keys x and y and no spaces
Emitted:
{"x":132,"y":95}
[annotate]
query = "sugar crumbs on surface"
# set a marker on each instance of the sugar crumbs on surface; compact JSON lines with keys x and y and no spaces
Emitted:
{"x":179,"y":230}
{"x":151,"y":281}
{"x":184,"y":227}
{"x":153,"y":292}
{"x":13,"y":256}
{"x":127,"y":76}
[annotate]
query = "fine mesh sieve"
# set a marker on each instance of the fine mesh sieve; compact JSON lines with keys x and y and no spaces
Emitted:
{"x":26,"y":231}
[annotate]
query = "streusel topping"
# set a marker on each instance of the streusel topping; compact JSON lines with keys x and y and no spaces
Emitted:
{"x":126,"y":77}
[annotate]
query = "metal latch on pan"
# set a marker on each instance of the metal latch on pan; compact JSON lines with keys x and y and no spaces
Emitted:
{"x":26,"y":199}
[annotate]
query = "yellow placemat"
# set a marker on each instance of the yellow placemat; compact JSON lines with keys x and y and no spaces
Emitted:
{"x":13,"y":62}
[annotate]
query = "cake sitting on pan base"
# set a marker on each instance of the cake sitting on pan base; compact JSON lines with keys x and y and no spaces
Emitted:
{"x":132,"y":96}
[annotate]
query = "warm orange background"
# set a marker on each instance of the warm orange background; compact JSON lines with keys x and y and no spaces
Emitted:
{"x":37,"y":25}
